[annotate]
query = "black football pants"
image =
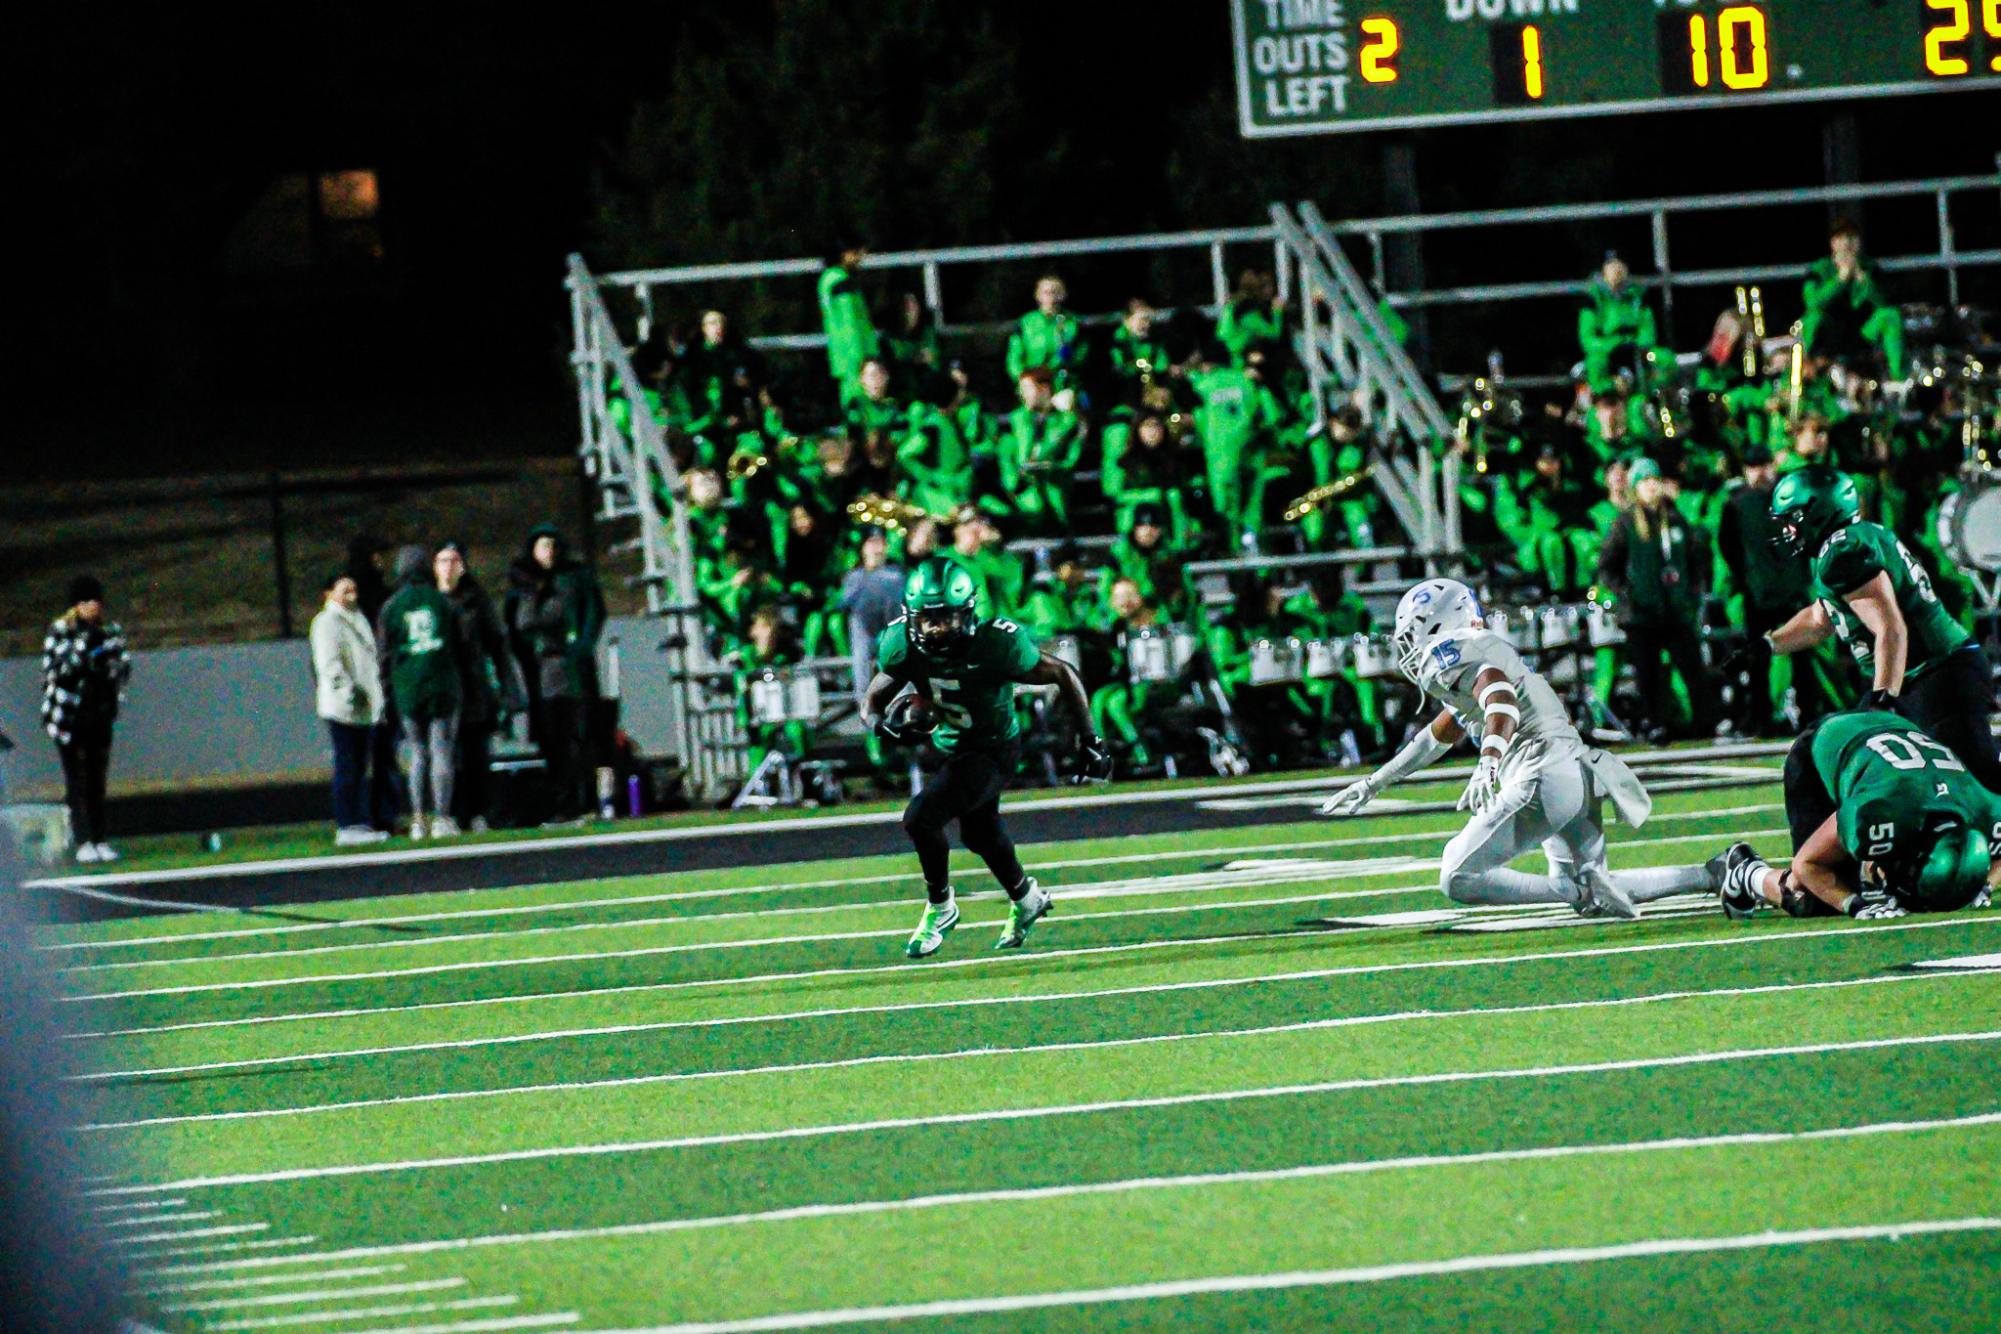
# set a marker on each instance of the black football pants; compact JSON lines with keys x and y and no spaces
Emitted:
{"x":966,"y":788}
{"x":1954,"y":702}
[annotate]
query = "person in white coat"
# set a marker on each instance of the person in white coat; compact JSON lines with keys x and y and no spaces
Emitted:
{"x":350,"y":700}
{"x":1536,"y":783}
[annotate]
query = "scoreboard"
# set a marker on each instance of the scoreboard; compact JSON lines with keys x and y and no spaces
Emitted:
{"x":1327,"y":66}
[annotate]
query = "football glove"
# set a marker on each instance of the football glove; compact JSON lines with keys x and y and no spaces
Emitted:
{"x":1484,"y":787}
{"x":1094,"y":761}
{"x":1878,"y":699}
{"x":1351,"y":799}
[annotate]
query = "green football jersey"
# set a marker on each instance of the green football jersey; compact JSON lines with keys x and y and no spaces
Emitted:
{"x":973,"y":689}
{"x":1886,"y":775}
{"x":1854,"y":555}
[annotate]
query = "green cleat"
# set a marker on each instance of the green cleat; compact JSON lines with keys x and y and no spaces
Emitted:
{"x":1023,"y":913}
{"x":932,"y":928}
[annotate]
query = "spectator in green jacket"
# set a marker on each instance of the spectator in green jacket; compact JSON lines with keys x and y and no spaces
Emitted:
{"x":1847,"y":311}
{"x":767,"y":646}
{"x":555,"y":614}
{"x":1066,"y":601}
{"x":1615,"y":327}
{"x":978,"y":544}
{"x":1039,"y":449}
{"x":1123,"y":708}
{"x":1656,"y":564}
{"x":1236,"y":414}
{"x":1145,"y":465}
{"x":1137,"y":352}
{"x":1048,"y":338}
{"x":910,"y":340}
{"x":423,"y":660}
{"x":844,"y":316}
{"x":1254,"y":315}
{"x":1330,"y":610}
{"x":1146,"y":556}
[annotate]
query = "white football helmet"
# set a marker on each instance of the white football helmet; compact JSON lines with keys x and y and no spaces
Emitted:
{"x":1435,"y":607}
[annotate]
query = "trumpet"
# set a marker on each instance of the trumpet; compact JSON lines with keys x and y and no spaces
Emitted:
{"x":887,"y":512}
{"x":1751,"y":323}
{"x":744,"y":465}
{"x":1320,"y":495}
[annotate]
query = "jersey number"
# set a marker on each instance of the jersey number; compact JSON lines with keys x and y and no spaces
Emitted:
{"x":955,"y":714}
{"x":1907,"y":750}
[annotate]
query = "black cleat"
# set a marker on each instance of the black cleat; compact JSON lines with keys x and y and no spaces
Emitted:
{"x":1734,"y":874}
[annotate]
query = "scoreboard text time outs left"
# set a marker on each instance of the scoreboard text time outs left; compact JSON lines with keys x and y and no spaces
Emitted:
{"x":1324,"y":66}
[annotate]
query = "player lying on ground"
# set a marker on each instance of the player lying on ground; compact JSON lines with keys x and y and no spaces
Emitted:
{"x":1869,"y":590}
{"x":964,"y":670}
{"x":1885,"y":820}
{"x":1536,"y":782}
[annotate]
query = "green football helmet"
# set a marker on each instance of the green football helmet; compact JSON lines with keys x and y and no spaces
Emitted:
{"x":938,"y":604}
{"x":1810,"y":504}
{"x":1944,"y":867}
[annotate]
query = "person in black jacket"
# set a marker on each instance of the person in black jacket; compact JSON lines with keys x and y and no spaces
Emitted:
{"x":555,"y":613}
{"x":84,"y":670}
{"x":490,"y":681}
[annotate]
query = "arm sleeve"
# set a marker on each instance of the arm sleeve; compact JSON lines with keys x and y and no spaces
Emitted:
{"x":892,"y":650}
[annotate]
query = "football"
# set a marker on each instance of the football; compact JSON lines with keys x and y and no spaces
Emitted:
{"x":913,"y":714}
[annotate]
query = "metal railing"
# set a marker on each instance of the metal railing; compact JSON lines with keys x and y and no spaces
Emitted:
{"x":932,"y":264}
{"x":626,"y":460}
{"x":1665,"y":278}
{"x":1349,"y":353}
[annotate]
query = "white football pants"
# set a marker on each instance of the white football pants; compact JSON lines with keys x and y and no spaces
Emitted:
{"x":1555,"y":806}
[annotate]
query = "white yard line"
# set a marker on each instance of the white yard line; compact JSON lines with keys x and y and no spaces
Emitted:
{"x":236,"y":1302}
{"x":1139,"y":887}
{"x":649,"y":951}
{"x":779,"y":887}
{"x":460,"y":851}
{"x":626,"y":1147}
{"x":477,"y":1326}
{"x":135,"y":1206}
{"x":318,"y":1276}
{"x":1553,"y":1257}
{"x":986,"y":960}
{"x":189,"y":1234}
{"x":214,"y":1248}
{"x":982,"y":1053}
{"x":366,"y":1313}
{"x":150,"y":1220}
{"x":1347,"y":1167}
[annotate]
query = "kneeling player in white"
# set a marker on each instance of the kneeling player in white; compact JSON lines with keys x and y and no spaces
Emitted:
{"x":1537,"y":783}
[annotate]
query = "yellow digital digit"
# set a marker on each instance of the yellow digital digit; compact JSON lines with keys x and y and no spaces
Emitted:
{"x":1698,"y":49}
{"x":1379,"y":52}
{"x":1990,"y":18}
{"x":1532,"y":62}
{"x":1958,"y":24}
{"x":1740,"y":41}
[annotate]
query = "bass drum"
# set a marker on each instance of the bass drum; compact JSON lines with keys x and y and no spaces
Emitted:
{"x":1969,"y":523}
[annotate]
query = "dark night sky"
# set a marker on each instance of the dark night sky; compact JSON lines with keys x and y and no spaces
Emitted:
{"x":152,"y":131}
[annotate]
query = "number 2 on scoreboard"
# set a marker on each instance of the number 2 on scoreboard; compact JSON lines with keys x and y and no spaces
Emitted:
{"x":1379,"y":52}
{"x":1952,"y":26}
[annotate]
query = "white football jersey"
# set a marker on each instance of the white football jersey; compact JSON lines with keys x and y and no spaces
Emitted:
{"x":1454,"y":662}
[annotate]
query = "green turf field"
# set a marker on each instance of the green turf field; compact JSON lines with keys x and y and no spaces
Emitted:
{"x":1265,"y":1079}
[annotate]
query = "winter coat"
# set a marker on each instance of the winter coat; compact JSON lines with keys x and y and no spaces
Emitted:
{"x":349,"y":678}
{"x":84,"y":670}
{"x":554,"y":618}
{"x":490,"y":680}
